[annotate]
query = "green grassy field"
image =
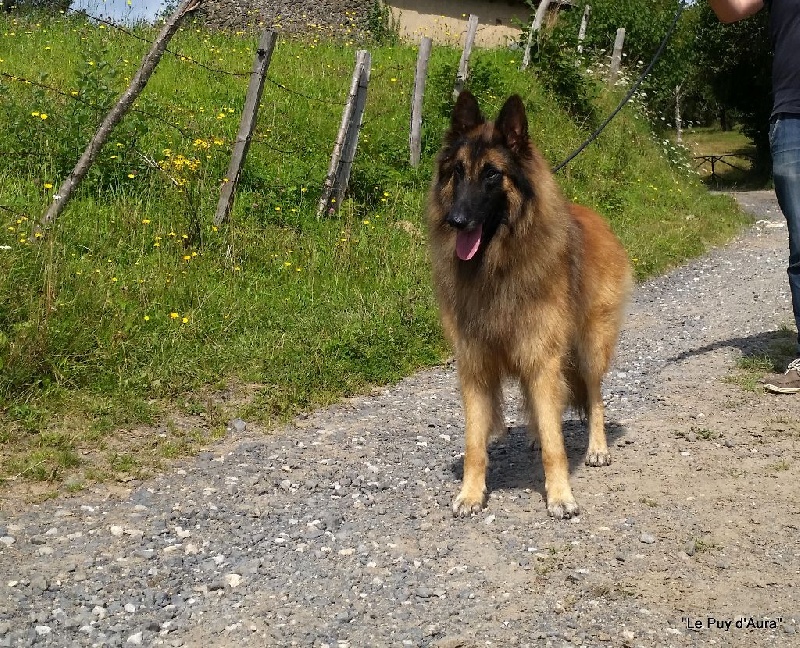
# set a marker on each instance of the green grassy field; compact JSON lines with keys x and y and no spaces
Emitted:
{"x":734,"y":171}
{"x":134,"y":309}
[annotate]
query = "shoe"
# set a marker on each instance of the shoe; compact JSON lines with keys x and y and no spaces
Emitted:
{"x":785,"y":383}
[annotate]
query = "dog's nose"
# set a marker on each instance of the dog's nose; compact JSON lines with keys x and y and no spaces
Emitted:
{"x":457,"y":218}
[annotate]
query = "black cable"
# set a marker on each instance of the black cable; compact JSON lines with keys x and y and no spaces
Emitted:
{"x":630,"y":94}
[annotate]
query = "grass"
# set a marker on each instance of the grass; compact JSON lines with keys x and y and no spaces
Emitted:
{"x":751,"y":368}
{"x":134,"y":310}
{"x":734,"y":171}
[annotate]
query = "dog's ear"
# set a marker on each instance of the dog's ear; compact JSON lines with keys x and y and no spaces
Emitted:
{"x":512,"y":124}
{"x":466,"y":114}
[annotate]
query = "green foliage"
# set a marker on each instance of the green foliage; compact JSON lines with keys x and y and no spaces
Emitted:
{"x":733,"y":62}
{"x":381,"y":24}
{"x":561,"y":71}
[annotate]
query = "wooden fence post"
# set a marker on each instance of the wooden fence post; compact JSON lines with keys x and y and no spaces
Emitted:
{"x":344,"y":150}
{"x":416,"y":102}
{"x":538,"y":19}
{"x":266,"y":45}
{"x":115,"y":115}
{"x":616,"y":57}
{"x":463,"y":65}
{"x":587,"y":10}
{"x":678,"y":119}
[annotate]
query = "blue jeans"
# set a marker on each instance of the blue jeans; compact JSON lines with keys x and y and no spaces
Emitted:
{"x":784,"y":139}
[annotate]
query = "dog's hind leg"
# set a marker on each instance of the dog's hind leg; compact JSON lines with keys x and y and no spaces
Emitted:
{"x":482,"y":396}
{"x":597,"y":454}
{"x":545,"y":395}
{"x":594,"y":359}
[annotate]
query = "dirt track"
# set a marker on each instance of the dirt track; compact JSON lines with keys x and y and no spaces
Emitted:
{"x":337,"y":530}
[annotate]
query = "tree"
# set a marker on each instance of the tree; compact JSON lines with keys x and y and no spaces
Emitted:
{"x":646,"y":23}
{"x":734,"y":62}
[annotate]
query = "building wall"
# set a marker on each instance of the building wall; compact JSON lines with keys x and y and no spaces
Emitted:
{"x":445,"y":21}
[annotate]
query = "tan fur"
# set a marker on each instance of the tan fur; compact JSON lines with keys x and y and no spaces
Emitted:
{"x":544,"y":305}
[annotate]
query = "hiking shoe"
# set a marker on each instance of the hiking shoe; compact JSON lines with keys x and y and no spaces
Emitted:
{"x":786,"y":383}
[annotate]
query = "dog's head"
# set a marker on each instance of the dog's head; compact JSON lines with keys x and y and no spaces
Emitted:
{"x":483,"y":173}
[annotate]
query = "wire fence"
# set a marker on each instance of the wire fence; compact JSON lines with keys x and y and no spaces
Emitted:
{"x":328,"y":106}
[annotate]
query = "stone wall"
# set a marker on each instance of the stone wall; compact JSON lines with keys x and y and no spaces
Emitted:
{"x":338,"y":17}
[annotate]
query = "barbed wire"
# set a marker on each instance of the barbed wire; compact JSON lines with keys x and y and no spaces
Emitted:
{"x":205,"y":66}
{"x":79,"y":99}
{"x":178,"y":55}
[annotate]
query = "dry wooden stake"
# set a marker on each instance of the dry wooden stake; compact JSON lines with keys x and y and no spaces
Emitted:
{"x":463,"y":64}
{"x":538,"y":19}
{"x":587,"y":10}
{"x":616,"y":57}
{"x":416,"y":102}
{"x":266,"y":45}
{"x":115,"y":115}
{"x":344,"y":150}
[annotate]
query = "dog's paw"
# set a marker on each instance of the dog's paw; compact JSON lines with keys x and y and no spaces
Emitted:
{"x":563,"y":510}
{"x":598,"y":458}
{"x":465,"y":504}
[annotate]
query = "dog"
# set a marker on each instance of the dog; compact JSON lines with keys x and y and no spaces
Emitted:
{"x":528,"y":286}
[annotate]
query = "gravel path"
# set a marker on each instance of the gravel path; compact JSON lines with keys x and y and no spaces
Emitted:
{"x":337,"y":531}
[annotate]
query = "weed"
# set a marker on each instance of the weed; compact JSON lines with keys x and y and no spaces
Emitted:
{"x":780,"y":466}
{"x":382,"y":24}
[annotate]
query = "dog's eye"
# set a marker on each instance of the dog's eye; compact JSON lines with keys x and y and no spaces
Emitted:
{"x":492,"y":175}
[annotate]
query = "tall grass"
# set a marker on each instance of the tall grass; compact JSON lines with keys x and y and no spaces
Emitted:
{"x":134,"y":301}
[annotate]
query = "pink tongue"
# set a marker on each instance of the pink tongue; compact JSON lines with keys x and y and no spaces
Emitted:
{"x":467,"y":243}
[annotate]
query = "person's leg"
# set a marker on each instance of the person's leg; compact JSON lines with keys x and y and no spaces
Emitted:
{"x":785,"y":144}
{"x":784,"y":138}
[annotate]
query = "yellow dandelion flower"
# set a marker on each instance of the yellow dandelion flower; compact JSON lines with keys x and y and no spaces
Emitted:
{"x":131,"y":175}
{"x":185,"y":320}
{"x":48,"y":185}
{"x":146,"y":318}
{"x":145,"y":221}
{"x":174,"y":315}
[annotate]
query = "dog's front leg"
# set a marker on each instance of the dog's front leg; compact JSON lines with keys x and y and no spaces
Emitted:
{"x":481,"y":395}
